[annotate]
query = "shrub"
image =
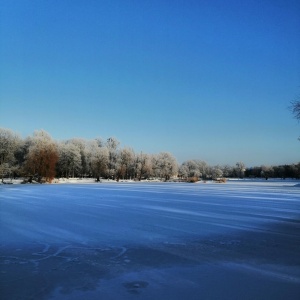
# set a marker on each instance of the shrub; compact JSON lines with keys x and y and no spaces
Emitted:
{"x":192,"y":179}
{"x":221,"y":180}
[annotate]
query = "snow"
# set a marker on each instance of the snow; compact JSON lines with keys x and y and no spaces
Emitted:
{"x":239,"y":240}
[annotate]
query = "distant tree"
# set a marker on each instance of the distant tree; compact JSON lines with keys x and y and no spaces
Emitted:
{"x":21,"y":153}
{"x":267,"y":172}
{"x":292,"y":171}
{"x":91,"y":147}
{"x":112,"y":145}
{"x":216,"y":172}
{"x":100,"y":142}
{"x":42,"y":157}
{"x":183,"y":171}
{"x":166,"y":165}
{"x":202,"y":168}
{"x":125,"y":163}
{"x":99,"y":162}
{"x":143,"y":166}
{"x":69,"y":162}
{"x":227,"y":171}
{"x":240,"y":169}
{"x":253,"y":172}
{"x":9,"y":143}
{"x":82,"y":144}
{"x":279,"y":172}
{"x":193,"y":168}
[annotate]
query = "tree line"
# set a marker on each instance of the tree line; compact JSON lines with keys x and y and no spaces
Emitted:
{"x":41,"y":158}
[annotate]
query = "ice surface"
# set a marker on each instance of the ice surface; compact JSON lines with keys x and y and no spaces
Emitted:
{"x":239,"y":240}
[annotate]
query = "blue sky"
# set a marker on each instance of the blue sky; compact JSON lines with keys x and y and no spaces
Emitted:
{"x":208,"y":80}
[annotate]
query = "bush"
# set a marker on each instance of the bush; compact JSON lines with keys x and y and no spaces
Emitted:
{"x":221,"y":180}
{"x":192,"y":179}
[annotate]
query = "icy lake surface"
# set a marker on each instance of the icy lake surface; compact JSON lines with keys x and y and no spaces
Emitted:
{"x":239,"y":240}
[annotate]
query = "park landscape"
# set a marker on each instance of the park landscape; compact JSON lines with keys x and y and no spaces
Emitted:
{"x":148,"y":150}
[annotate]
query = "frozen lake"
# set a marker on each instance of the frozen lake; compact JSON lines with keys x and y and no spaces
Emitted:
{"x":239,"y":240}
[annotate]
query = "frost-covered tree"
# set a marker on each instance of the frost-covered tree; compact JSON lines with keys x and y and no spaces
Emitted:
{"x":202,"y":167}
{"x":82,"y":145}
{"x":99,"y":161}
{"x":9,"y":143}
{"x":227,"y":171}
{"x":112,"y":145}
{"x":143,"y":166}
{"x":165,"y":165}
{"x":100,"y":142}
{"x":125,"y":163}
{"x":183,"y":171}
{"x":240,"y":169}
{"x":156,"y":170}
{"x":69,"y":162}
{"x":216,"y":172}
{"x":194,"y":168}
{"x":42,"y":157}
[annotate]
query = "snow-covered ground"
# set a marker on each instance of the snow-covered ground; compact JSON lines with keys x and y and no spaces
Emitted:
{"x":239,"y":240}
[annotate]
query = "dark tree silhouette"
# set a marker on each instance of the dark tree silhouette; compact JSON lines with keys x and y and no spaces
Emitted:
{"x":296,"y":109}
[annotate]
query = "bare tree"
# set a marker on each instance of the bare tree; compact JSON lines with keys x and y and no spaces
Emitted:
{"x":296,"y":109}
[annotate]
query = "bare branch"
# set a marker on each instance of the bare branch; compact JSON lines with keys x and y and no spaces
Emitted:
{"x":295,"y":108}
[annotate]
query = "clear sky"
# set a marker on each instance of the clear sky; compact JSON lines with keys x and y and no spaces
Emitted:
{"x":208,"y":80}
